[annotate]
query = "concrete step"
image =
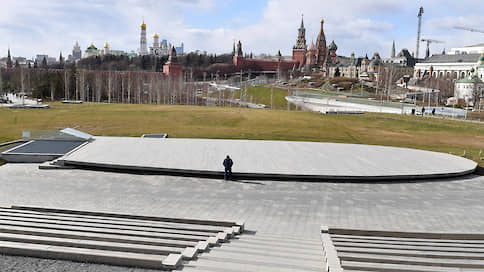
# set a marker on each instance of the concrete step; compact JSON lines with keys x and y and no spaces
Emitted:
{"x":181,"y":237}
{"x":423,"y":261}
{"x":408,"y":234}
{"x":339,"y":245}
{"x":251,"y":241}
{"x":105,"y":225}
{"x":113,"y":246}
{"x":114,"y":221}
{"x":397,"y":239}
{"x":413,"y":253}
{"x":405,"y":243}
{"x":96,"y":236}
{"x":130,"y":216}
{"x":61,"y":234}
{"x":366,"y":266}
{"x":242,"y":264}
{"x":91,"y":255}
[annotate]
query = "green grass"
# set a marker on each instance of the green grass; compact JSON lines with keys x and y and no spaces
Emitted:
{"x":240,"y":123}
{"x":262,"y":95}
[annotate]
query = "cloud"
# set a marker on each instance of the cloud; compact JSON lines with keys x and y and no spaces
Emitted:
{"x":364,"y":26}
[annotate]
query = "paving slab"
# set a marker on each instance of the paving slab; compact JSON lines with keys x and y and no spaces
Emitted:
{"x":266,"y":159}
{"x":276,"y":213}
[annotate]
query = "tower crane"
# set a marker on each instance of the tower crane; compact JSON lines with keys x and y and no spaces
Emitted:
{"x":469,"y":29}
{"x":429,"y":41}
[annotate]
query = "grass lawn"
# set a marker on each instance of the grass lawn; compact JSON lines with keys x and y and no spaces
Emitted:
{"x":240,"y":123}
{"x":262,"y":95}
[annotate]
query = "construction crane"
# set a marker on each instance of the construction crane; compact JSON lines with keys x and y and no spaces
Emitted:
{"x":429,"y":41}
{"x":469,"y":29}
{"x":420,"y":13}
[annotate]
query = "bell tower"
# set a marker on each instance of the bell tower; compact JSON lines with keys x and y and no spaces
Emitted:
{"x":143,"y":46}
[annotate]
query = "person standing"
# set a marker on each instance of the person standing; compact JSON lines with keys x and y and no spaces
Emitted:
{"x":228,"y":168}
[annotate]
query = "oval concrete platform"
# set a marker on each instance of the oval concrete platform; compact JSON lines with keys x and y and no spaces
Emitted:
{"x":267,"y":159}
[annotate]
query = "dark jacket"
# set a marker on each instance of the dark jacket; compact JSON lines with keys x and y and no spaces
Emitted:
{"x":228,"y":163}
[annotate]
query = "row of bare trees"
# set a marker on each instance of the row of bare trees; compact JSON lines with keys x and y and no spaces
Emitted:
{"x":100,"y":86}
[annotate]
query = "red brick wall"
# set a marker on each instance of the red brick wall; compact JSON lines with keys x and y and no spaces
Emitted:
{"x":299,"y":56}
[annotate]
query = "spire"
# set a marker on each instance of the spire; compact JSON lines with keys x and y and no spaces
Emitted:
{"x":393,"y":49}
{"x":172,"y":57}
{"x":143,"y":25}
{"x":9,"y":59}
{"x":301,"y":37}
{"x":321,"y":46}
{"x":61,"y":59}
{"x":239,"y":49}
{"x":233,"y":49}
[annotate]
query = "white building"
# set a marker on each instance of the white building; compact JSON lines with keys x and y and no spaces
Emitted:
{"x":447,"y":66}
{"x":472,"y":49}
{"x":92,"y":51}
{"x":466,"y":88}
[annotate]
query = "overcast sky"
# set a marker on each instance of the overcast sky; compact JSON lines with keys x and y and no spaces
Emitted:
{"x":264,"y":26}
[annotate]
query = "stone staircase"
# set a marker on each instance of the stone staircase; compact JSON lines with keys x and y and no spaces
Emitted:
{"x":352,"y":250}
{"x":267,"y":252}
{"x":109,"y":238}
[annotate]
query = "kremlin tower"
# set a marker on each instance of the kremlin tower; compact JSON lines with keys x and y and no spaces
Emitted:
{"x":9,"y":59}
{"x":172,"y":68}
{"x":321,"y":46}
{"x":143,"y":47}
{"x":299,"y":50}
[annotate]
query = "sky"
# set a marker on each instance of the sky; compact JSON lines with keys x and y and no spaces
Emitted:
{"x":31,"y":27}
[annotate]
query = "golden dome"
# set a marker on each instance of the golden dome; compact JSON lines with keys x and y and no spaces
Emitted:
{"x":156,"y":36}
{"x":143,"y":25}
{"x":106,"y":45}
{"x":322,"y":21}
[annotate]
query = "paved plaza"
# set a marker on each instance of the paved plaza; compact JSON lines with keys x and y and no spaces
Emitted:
{"x":282,"y":219}
{"x":261,"y":159}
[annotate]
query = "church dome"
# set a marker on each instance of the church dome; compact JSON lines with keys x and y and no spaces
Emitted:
{"x":481,"y":60}
{"x":92,"y":47}
{"x":332,"y":46}
{"x":156,"y":36}
{"x":106,"y":45}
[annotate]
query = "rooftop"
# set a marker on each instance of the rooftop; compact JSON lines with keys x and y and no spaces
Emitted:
{"x":464,"y":58}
